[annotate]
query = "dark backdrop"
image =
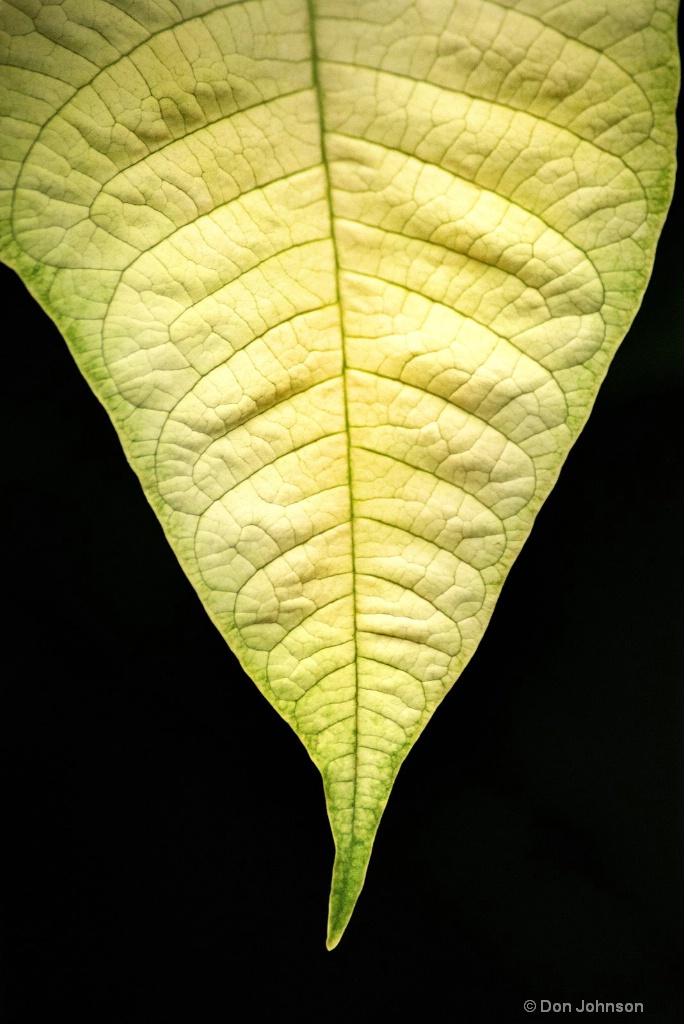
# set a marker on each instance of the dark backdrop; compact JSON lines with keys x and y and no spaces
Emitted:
{"x":166,"y":831}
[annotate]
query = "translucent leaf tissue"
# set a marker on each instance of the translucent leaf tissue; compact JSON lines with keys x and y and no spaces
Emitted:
{"x":347,"y":275}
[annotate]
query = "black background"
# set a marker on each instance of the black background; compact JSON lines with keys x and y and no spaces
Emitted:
{"x":167,"y":836}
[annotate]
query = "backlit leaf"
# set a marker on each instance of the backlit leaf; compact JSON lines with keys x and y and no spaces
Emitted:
{"x":347,"y":275}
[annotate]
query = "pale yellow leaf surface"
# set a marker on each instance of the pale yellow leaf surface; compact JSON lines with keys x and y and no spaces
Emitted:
{"x":347,"y":275}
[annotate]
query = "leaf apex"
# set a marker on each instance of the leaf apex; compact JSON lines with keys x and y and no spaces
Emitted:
{"x":349,"y":875}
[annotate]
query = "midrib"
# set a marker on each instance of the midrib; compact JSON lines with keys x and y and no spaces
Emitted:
{"x":350,"y":479}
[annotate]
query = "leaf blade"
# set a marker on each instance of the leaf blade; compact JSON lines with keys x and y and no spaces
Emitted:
{"x":345,"y":491}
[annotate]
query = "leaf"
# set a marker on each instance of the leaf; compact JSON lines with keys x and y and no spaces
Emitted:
{"x":347,"y":277}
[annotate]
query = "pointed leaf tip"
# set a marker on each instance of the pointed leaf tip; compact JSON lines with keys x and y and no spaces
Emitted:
{"x":349,"y":875}
{"x":342,"y":905}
